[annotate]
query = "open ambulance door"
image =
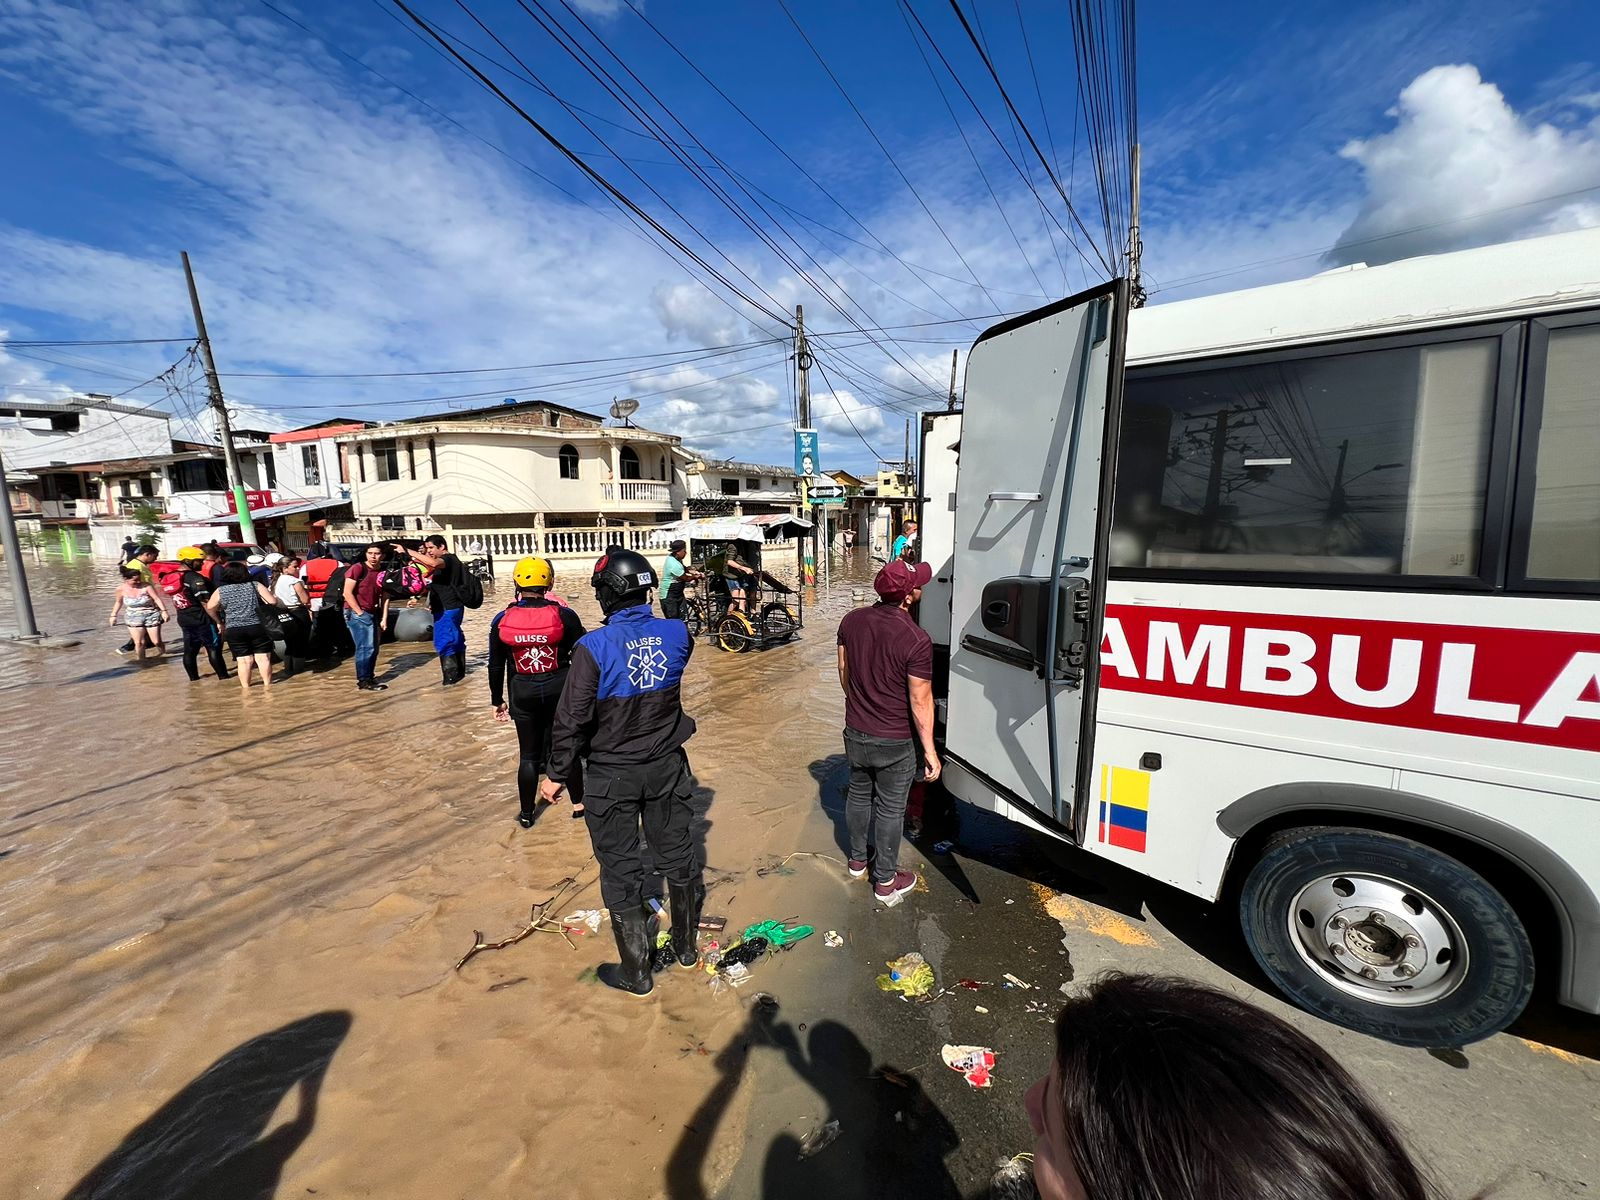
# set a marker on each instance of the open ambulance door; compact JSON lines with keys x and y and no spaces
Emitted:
{"x":1028,"y":569}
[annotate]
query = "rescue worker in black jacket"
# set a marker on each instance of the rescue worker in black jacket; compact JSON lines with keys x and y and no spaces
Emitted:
{"x":621,"y":710}
{"x":530,"y":648}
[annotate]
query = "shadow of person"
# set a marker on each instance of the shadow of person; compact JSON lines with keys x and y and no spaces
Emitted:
{"x":892,"y":1138}
{"x":207,"y":1140}
{"x":833,"y":778}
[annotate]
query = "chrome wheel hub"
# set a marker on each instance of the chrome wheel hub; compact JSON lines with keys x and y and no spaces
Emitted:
{"x":1378,"y":939}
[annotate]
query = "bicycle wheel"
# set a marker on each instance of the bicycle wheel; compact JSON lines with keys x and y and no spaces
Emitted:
{"x":695,"y":622}
{"x":734,"y":633}
{"x":778,"y":624}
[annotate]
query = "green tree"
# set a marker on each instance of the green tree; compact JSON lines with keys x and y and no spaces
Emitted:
{"x":147,"y":520}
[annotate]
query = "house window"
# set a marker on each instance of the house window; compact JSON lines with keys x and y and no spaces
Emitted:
{"x":270,"y":462}
{"x":386,"y":457}
{"x":411,"y":459}
{"x":629,"y":460}
{"x":730,"y":487}
{"x":661,"y":467}
{"x":433,"y":457}
{"x":198,"y":475}
{"x":392,"y":523}
{"x":64,"y":422}
{"x":553,"y":420}
{"x":752,"y":485}
{"x":146,"y":487}
{"x":569,"y":462}
{"x":344,"y":465}
{"x":309,"y":463}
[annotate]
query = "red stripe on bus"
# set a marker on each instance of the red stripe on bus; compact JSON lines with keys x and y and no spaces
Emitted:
{"x":1537,"y":686}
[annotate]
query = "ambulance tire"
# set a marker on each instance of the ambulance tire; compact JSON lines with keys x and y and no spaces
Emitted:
{"x":1473,"y":954}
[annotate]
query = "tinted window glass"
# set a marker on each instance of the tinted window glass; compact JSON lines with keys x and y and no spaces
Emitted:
{"x":1564,"y":541}
{"x":1371,"y":462}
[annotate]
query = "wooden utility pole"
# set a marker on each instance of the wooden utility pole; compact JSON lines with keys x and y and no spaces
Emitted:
{"x":247,"y":529}
{"x":951,"y":407}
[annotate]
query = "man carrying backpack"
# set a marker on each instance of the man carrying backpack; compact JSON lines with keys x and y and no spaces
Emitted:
{"x":323,"y":575}
{"x":622,"y":709}
{"x":451,"y":590}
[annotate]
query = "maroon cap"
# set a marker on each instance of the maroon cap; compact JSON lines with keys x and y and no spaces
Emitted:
{"x":897,"y":579}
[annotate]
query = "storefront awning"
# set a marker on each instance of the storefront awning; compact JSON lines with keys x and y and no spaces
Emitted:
{"x":283,"y":510}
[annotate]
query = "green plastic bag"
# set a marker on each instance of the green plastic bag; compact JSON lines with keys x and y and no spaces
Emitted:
{"x":777,"y":936}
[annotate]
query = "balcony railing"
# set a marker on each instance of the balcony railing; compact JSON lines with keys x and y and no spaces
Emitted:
{"x":637,"y":491}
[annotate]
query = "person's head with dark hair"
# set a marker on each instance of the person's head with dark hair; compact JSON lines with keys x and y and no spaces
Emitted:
{"x":128,"y":572}
{"x":435,"y":541}
{"x":214,"y":552}
{"x":1165,"y":1087}
{"x":234,"y":572}
{"x":147,"y":552}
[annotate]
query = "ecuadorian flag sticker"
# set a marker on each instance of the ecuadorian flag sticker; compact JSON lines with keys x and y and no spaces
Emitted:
{"x":1124,"y":807}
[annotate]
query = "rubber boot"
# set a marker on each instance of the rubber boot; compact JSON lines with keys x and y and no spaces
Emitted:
{"x":686,"y":900}
{"x":446,"y":668}
{"x":633,"y":944}
{"x":461,"y":664}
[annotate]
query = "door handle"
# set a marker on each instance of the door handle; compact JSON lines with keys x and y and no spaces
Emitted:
{"x":1025,"y":497}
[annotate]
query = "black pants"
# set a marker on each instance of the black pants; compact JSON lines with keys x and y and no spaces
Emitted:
{"x":657,"y":796}
{"x":329,"y":636}
{"x":672,"y":605}
{"x":533,"y":718}
{"x":202,"y":637}
{"x":296,"y":623}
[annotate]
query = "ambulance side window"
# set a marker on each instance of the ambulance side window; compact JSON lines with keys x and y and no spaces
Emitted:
{"x":1560,"y":506}
{"x":1359,"y":461}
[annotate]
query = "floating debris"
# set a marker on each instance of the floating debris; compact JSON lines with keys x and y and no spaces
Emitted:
{"x":975,"y":1063}
{"x":980,"y":1008}
{"x":1015,"y":982}
{"x":832,"y":940}
{"x":943,"y":847}
{"x":819,"y":1140}
{"x":910,"y":975}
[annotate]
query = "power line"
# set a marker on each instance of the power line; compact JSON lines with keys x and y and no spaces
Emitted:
{"x":834,"y":396}
{"x":99,"y":342}
{"x":1006,"y":96}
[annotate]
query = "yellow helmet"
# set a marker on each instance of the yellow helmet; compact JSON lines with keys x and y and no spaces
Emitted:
{"x":190,"y":554}
{"x":533,"y":573}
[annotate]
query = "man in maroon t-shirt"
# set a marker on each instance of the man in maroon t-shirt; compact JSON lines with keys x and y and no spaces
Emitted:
{"x":886,"y":670}
{"x":363,"y":614}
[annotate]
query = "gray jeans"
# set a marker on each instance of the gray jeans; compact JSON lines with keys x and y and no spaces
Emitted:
{"x":881,"y":772}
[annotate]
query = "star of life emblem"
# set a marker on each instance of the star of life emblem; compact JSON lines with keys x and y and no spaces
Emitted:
{"x":535,"y":660}
{"x":647,"y":666}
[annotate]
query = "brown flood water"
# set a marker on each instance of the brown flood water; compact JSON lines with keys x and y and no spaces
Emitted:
{"x":228,"y":925}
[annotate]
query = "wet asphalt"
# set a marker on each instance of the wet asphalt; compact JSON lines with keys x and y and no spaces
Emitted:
{"x":1519,"y":1112}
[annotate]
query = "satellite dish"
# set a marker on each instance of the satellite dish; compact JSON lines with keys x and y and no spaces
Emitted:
{"x":623,"y":409}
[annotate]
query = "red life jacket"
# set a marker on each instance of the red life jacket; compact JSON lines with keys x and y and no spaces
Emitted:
{"x":532,"y":635}
{"x":318,"y":572}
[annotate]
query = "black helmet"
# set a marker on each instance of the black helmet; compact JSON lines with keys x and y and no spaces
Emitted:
{"x":621,"y":578}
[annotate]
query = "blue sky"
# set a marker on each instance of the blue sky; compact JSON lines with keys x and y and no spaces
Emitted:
{"x":341,"y":226}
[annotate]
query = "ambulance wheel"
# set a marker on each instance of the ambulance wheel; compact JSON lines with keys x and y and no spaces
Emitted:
{"x":1384,"y":935}
{"x":734,"y":634}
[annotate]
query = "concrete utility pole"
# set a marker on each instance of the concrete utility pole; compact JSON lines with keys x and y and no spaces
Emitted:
{"x":20,"y":599}
{"x":951,"y":407}
{"x":1135,"y":242}
{"x":247,"y":528}
{"x":802,"y":362}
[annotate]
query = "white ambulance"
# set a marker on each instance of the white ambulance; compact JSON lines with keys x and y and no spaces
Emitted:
{"x":1298,"y":610}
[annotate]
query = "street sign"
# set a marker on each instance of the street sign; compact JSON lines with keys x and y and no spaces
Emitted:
{"x":826,"y":491}
{"x":830,"y":501}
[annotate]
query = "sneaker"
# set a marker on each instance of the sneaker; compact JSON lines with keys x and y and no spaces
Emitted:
{"x":891,"y":891}
{"x":857,"y":867}
{"x":371,"y":685}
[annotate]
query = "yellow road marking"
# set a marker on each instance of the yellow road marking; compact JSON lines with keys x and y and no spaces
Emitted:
{"x":1566,"y":1056}
{"x":1069,"y":910}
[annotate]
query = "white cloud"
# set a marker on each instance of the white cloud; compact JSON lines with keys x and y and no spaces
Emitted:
{"x":1462,"y":168}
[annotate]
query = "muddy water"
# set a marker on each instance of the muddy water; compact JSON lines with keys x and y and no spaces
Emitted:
{"x":228,"y":926}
